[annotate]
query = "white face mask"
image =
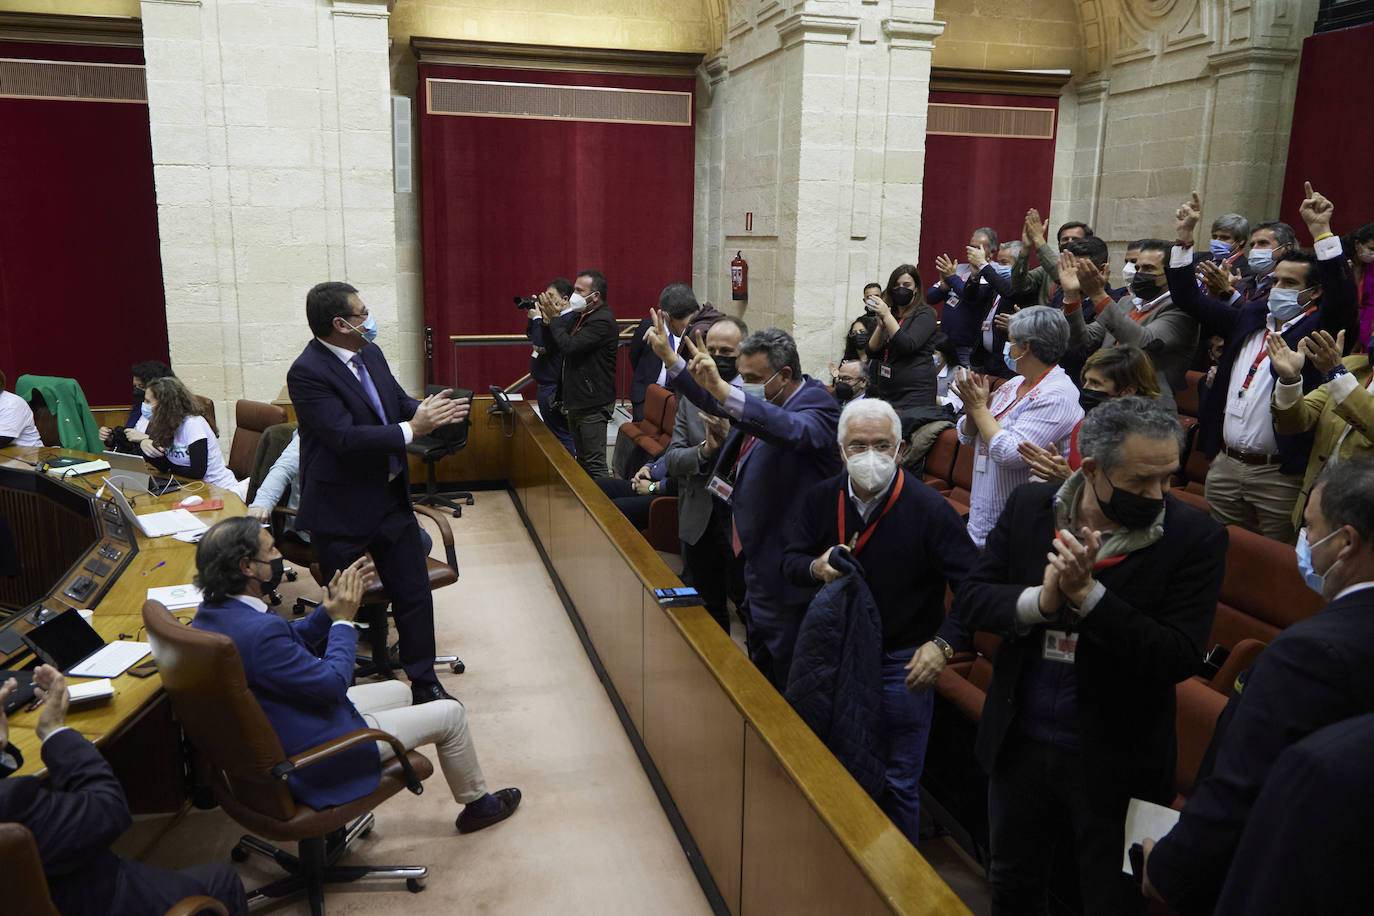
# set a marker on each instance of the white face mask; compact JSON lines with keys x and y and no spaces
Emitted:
{"x":871,"y":470}
{"x":577,"y":302}
{"x":1128,"y":272}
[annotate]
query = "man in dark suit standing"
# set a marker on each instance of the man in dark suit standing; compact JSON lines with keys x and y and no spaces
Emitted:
{"x":78,"y":811}
{"x":355,"y":423}
{"x":587,"y":342}
{"x":1079,"y":716}
{"x":1316,"y":673}
{"x":782,"y":443}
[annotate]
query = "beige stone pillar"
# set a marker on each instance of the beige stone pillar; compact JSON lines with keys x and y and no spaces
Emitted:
{"x":272,"y":161}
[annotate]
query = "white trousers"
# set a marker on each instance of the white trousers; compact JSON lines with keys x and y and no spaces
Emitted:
{"x":442,"y":723}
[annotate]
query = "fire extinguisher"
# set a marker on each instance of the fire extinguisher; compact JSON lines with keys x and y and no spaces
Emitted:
{"x":739,"y":277}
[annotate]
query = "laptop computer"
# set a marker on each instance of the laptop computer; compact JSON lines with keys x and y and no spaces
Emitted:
{"x":155,"y":524}
{"x":72,"y":646}
{"x":131,"y":472}
{"x":22,"y":695}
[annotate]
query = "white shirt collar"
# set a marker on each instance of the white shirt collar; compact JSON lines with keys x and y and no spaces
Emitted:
{"x":1353,"y":588}
{"x":1142,"y":306}
{"x":345,"y":355}
{"x":256,"y":604}
{"x":1269,"y":322}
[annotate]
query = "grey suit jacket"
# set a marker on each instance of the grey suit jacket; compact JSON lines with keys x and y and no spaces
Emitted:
{"x":1168,"y":335}
{"x":683,"y":461}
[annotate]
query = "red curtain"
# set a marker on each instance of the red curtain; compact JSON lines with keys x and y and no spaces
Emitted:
{"x":80,"y":271}
{"x":982,"y":181}
{"x":508,"y":204}
{"x":1333,"y":131}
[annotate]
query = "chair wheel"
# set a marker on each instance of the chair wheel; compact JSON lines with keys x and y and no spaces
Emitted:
{"x":458,"y":513}
{"x":457,"y":667}
{"x":469,"y":501}
{"x":415,"y":885}
{"x":238,"y":853}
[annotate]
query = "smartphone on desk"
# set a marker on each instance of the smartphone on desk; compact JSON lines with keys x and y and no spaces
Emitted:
{"x":677,"y":597}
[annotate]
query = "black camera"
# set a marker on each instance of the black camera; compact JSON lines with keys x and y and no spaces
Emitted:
{"x":527,"y":303}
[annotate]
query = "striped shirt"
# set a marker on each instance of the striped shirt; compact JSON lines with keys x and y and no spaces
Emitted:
{"x":1047,"y":414}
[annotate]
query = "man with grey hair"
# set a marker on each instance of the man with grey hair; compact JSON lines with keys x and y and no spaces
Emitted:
{"x":1038,"y":405}
{"x":960,"y":318}
{"x":1079,"y":716}
{"x":910,"y":544}
{"x":783,"y":441}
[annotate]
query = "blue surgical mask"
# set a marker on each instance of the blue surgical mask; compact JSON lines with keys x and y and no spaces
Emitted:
{"x":146,"y":410}
{"x":1261,"y":259}
{"x":1314,"y":579}
{"x":1284,"y":304}
{"x":1003,"y":270}
{"x":1007,"y":357}
{"x":370,"y":329}
{"x":757,"y":389}
{"x":1220,"y":249}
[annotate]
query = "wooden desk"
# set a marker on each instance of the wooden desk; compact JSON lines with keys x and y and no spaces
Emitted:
{"x":120,"y":611}
{"x":780,"y":824}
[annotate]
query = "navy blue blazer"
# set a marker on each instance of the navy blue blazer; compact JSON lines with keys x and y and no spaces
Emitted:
{"x":1317,"y":672}
{"x":304,"y":695}
{"x":1335,"y":312}
{"x":74,"y":815}
{"x":796,"y":449}
{"x":546,"y":368}
{"x":345,"y":446}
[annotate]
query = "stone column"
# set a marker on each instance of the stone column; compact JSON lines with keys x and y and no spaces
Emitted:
{"x":272,"y":162}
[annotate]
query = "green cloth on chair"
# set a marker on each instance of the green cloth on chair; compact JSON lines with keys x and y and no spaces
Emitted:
{"x":76,"y":426}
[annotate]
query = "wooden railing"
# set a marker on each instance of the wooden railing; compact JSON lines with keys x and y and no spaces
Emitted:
{"x":780,"y":824}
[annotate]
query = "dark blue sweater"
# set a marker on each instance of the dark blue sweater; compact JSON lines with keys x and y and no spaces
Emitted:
{"x":916,"y":548}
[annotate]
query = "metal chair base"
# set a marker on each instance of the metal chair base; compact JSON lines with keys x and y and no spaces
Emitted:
{"x":315,"y":867}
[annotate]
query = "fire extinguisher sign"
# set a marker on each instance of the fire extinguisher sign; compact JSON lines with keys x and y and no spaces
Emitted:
{"x":739,"y":277}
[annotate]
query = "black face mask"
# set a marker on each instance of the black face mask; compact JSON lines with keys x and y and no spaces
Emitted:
{"x":278,"y":567}
{"x":725,"y":365}
{"x":844,"y":392}
{"x":1088,"y":399}
{"x":1145,"y":286}
{"x":859,"y":341}
{"x":1129,"y":510}
{"x":901,"y":297}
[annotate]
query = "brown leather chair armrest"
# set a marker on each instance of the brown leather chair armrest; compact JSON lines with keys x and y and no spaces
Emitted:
{"x":346,"y":742}
{"x":197,"y":906}
{"x":445,"y":531}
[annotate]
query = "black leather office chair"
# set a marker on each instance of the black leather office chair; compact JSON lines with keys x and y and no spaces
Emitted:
{"x":435,"y":447}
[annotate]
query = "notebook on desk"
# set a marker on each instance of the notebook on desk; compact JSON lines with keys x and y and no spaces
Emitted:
{"x":72,"y":646}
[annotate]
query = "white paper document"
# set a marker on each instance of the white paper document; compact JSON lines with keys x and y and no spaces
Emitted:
{"x":171,"y":521}
{"x":1145,"y":819}
{"x":113,"y":660}
{"x":90,"y":691}
{"x":175,"y":597}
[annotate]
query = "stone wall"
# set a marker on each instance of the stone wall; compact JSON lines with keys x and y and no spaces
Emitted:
{"x":272,"y":162}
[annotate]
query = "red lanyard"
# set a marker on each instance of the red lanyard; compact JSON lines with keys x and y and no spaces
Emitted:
{"x":859,"y":540}
{"x":999,"y":416}
{"x":744,"y":450}
{"x":1263,"y":353}
{"x":901,"y":324}
{"x":581,"y":318}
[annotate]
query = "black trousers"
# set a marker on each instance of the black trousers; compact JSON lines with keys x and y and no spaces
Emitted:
{"x":634,"y":506}
{"x":1036,"y":802}
{"x":398,"y":552}
{"x":715,"y":572}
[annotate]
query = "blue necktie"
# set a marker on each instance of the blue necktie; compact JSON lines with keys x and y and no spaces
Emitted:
{"x":393,"y":461}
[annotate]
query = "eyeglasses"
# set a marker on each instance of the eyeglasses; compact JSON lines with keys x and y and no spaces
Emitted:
{"x":858,"y":448}
{"x":847,"y":379}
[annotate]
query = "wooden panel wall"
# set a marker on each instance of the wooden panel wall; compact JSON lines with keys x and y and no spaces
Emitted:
{"x":780,"y":825}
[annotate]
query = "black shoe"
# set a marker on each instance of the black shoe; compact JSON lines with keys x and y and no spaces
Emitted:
{"x":469,"y":822}
{"x":428,"y":692}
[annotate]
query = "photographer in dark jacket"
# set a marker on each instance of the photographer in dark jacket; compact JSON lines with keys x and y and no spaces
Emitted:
{"x":546,"y":367}
{"x":587,"y":343}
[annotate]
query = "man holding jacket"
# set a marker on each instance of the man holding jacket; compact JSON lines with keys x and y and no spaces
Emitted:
{"x":587,"y":344}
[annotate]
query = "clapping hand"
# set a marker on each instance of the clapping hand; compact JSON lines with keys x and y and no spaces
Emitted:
{"x":1045,"y":463}
{"x":1089,"y":278}
{"x":439,"y":410}
{"x":346,"y":588}
{"x":945,"y":266}
{"x":1033,"y":232}
{"x":1074,"y":562}
{"x":50,"y":691}
{"x":1002,"y":320}
{"x":1286,"y":361}
{"x":977,"y":257}
{"x":1219,"y":282}
{"x":1069,"y":276}
{"x":1316,"y":211}
{"x":1320,"y":347}
{"x":551,"y":305}
{"x":973,"y":389}
{"x":717,"y":429}
{"x":703,"y":369}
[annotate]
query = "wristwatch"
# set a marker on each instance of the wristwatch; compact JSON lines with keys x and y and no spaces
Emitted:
{"x":1336,"y":373}
{"x":944,"y":647}
{"x":653,"y":486}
